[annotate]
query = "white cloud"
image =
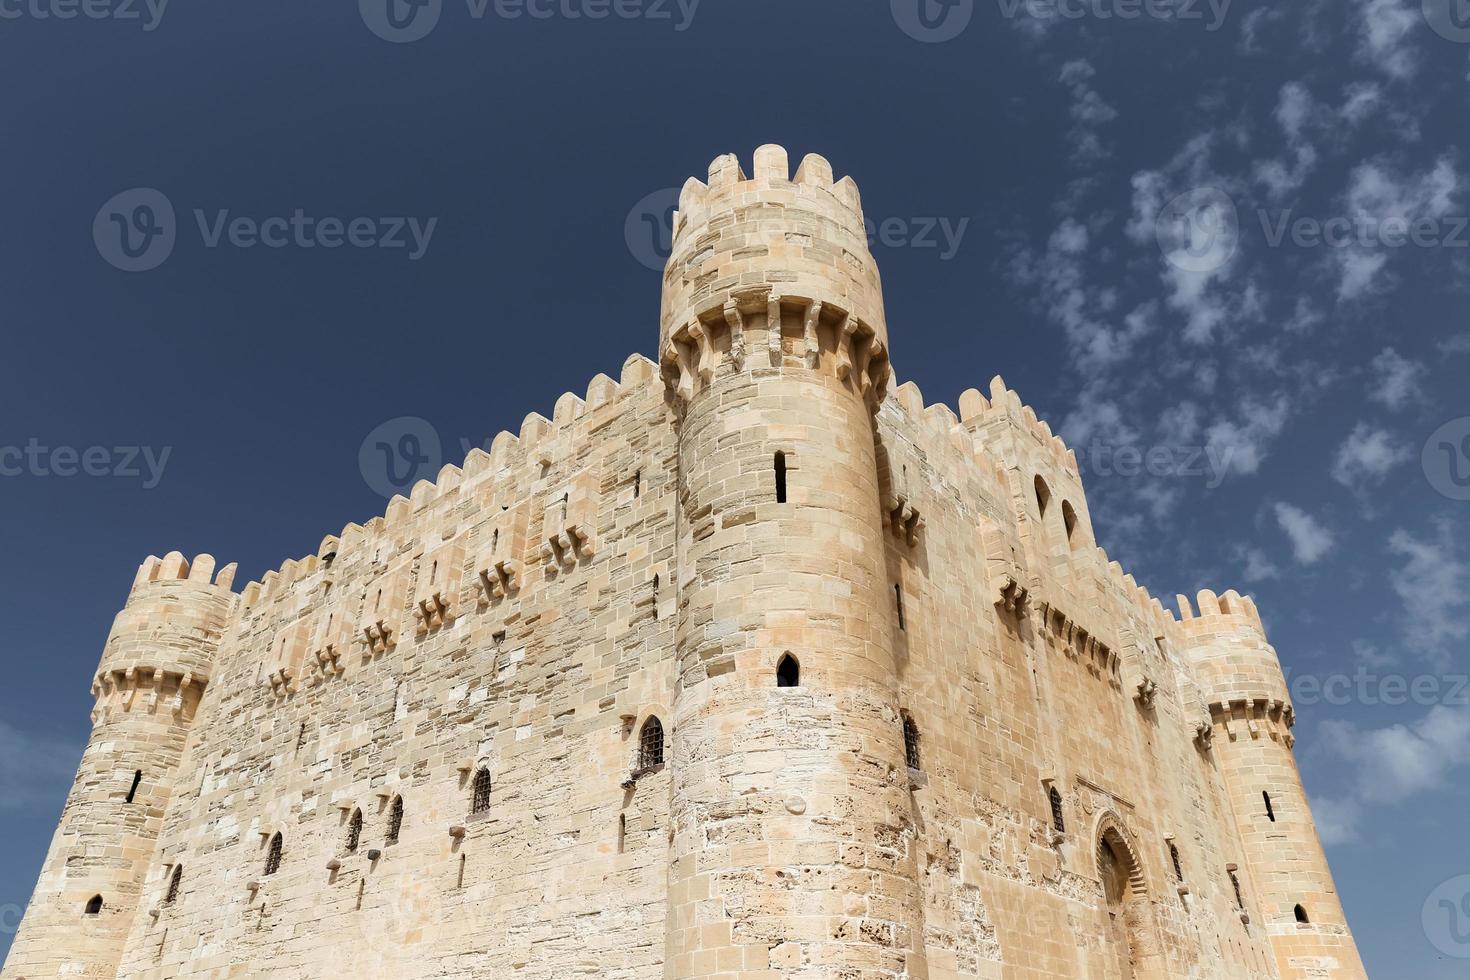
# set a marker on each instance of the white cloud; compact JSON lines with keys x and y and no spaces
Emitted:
{"x":1242,"y":444}
{"x":1309,"y":539}
{"x":1089,"y":112}
{"x":1377,"y":196}
{"x":1257,"y":566}
{"x":1384,"y":35}
{"x":1434,"y":585}
{"x":1336,"y":820}
{"x":1458,"y":344}
{"x":1366,"y":456}
{"x":35,"y":769}
{"x":1400,"y":761}
{"x":1362,"y":100}
{"x":1396,"y":379}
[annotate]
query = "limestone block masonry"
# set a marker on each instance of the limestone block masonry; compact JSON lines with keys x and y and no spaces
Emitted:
{"x":748,"y":663}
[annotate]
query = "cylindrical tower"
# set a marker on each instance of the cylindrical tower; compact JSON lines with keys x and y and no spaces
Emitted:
{"x":1251,"y":718}
{"x":791,"y":812}
{"x":154,"y":670}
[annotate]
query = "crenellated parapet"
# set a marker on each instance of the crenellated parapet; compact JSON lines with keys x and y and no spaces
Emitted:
{"x":163,"y":643}
{"x":771,"y":270}
{"x":1224,"y":641}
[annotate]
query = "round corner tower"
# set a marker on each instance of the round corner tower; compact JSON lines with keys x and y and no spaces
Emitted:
{"x":1251,"y":717}
{"x":791,"y":810}
{"x":154,"y":669}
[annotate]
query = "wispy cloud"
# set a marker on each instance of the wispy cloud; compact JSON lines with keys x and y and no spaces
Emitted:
{"x":1378,"y":194}
{"x":1397,"y":381}
{"x":1434,"y":585}
{"x":1385,"y":35}
{"x":1366,"y":457}
{"x":1310,"y":540}
{"x":35,"y":768}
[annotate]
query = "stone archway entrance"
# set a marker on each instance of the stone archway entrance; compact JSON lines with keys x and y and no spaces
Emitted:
{"x":1133,"y":953}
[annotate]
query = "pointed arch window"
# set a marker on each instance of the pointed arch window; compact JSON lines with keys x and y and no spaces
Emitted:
{"x":175,"y":880}
{"x":1058,"y":818}
{"x":354,"y":832}
{"x":273,"y":856}
{"x":1069,"y":520}
{"x":1301,"y":915}
{"x":94,"y":905}
{"x":480,"y":802}
{"x":788,"y":672}
{"x":651,"y":744}
{"x":911,"y":743}
{"x":1043,"y":496}
{"x":395,"y":822}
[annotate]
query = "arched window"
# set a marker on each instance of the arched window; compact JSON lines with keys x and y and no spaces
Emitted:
{"x":780,"y":478}
{"x":273,"y":856}
{"x":1058,"y":820}
{"x":354,"y":832}
{"x":1069,"y":520}
{"x":651,"y":744}
{"x":911,"y":743}
{"x":1174,"y":857}
{"x":395,"y":822}
{"x":1043,"y":496}
{"x":1235,"y":883}
{"x":788,"y":672}
{"x":1301,"y":915}
{"x":133,"y":790}
{"x":481,"y":800}
{"x":94,"y":905}
{"x":175,"y":880}
{"x":1270,"y":810}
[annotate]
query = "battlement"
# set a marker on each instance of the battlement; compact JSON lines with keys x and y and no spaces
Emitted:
{"x":1004,"y":403}
{"x":173,"y":567}
{"x":1224,"y":640}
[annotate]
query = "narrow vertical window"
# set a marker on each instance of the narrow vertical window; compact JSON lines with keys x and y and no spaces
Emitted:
{"x":622,"y":832}
{"x":354,"y":832}
{"x":461,"y":870}
{"x":898,"y":603}
{"x":1058,"y":818}
{"x":1235,"y":884}
{"x":780,"y":478}
{"x":1069,"y":520}
{"x":637,"y":484}
{"x":481,"y":800}
{"x":1174,"y":858}
{"x":911,"y":743}
{"x":94,"y":905}
{"x":788,"y":672}
{"x":651,"y":744}
{"x":273,"y":856}
{"x":133,"y":790}
{"x":395,"y":822}
{"x":565,"y":499}
{"x":1270,"y":810}
{"x":1301,"y":915}
{"x":655,"y":596}
{"x":175,"y":880}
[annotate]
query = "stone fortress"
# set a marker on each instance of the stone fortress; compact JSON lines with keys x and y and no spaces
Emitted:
{"x":746,"y":664}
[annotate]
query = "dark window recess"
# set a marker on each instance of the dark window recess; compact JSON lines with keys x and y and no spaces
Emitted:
{"x":1058,"y":819}
{"x":354,"y":832}
{"x":94,"y":905}
{"x":1174,"y":857}
{"x":1301,"y":915}
{"x":174,"y":881}
{"x":1043,"y":496}
{"x":395,"y":822}
{"x":273,"y":856}
{"x":1270,"y":810}
{"x":1235,"y":883}
{"x":622,"y":831}
{"x":1069,"y":519}
{"x":651,"y":744}
{"x":780,"y":478}
{"x":898,"y":600}
{"x":637,"y":484}
{"x":911,"y":744}
{"x":481,"y":801}
{"x":133,"y":790}
{"x":788,"y":672}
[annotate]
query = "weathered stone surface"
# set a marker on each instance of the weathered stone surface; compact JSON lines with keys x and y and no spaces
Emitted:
{"x":961,"y":650}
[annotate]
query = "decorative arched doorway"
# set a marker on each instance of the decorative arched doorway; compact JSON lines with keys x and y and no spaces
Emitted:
{"x":1132,"y":943}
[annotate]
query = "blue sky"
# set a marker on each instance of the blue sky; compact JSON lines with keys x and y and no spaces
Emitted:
{"x":1221,"y":247}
